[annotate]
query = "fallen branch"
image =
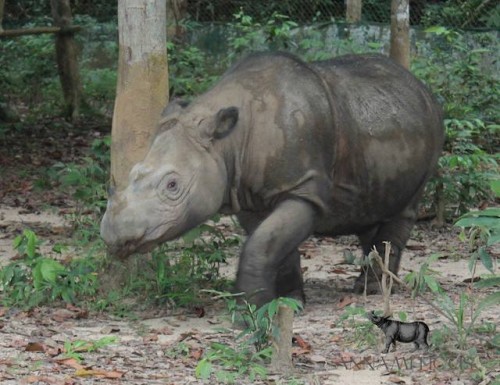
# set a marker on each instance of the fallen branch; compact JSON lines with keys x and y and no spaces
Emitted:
{"x":39,"y":31}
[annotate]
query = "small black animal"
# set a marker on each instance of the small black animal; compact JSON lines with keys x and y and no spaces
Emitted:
{"x":415,"y":332}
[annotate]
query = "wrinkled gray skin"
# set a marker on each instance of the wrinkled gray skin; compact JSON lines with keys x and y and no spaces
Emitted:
{"x":415,"y":332}
{"x":343,"y":146}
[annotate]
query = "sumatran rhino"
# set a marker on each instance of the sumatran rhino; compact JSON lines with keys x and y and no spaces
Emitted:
{"x":342,"y":146}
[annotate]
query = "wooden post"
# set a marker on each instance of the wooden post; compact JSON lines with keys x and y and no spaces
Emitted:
{"x":353,"y":11}
{"x":282,"y":345}
{"x":142,"y":87}
{"x":67,"y":58}
{"x":400,"y":32}
{"x":2,"y":5}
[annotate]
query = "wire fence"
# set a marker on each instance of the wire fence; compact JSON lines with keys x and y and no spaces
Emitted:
{"x":464,"y":14}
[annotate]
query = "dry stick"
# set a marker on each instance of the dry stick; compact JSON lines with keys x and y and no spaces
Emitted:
{"x":375,"y":256}
{"x":386,"y":290}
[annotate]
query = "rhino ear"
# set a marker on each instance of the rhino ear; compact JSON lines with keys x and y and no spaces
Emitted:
{"x":225,"y":121}
{"x":175,"y":105}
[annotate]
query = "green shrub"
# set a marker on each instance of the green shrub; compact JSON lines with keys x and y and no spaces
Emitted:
{"x":34,"y":279}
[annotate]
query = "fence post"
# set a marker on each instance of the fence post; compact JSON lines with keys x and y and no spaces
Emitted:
{"x":353,"y":11}
{"x":67,"y":58}
{"x":400,"y":32}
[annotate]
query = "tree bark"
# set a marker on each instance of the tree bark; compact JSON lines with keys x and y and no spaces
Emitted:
{"x":400,"y":32}
{"x":142,"y":89}
{"x":281,"y":361}
{"x":2,"y":6}
{"x":353,"y":11}
{"x":67,"y":58}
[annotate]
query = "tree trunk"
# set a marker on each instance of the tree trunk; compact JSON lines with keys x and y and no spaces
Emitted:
{"x":282,"y":345}
{"x":142,"y":89}
{"x":67,"y":58}
{"x":2,"y":5}
{"x":176,"y":12}
{"x":400,"y":32}
{"x":353,"y":11}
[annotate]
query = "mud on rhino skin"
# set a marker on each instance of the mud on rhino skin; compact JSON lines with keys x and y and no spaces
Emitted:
{"x":341,"y":146}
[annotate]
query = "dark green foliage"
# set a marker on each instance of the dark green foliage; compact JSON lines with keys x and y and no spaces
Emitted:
{"x":35,"y":279}
{"x":469,"y":90}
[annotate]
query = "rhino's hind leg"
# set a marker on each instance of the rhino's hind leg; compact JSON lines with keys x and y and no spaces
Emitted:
{"x":289,"y":282}
{"x":397,"y":233}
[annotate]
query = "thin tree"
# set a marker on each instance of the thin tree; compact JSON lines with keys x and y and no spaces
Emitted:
{"x":400,"y":32}
{"x":142,"y":89}
{"x":353,"y":11}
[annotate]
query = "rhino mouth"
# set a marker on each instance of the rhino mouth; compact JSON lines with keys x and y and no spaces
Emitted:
{"x":131,"y":247}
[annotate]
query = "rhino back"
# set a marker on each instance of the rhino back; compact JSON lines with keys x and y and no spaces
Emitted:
{"x":389,"y":134}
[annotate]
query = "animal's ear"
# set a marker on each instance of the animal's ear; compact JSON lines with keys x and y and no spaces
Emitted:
{"x":225,"y":121}
{"x":175,"y":105}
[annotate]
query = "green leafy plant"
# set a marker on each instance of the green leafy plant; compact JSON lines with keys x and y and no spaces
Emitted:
{"x":34,"y":279}
{"x":253,"y":347}
{"x":484,"y":232}
{"x":175,"y":273}
{"x":360,"y":331}
{"x":75,"y":349}
{"x":420,"y":280}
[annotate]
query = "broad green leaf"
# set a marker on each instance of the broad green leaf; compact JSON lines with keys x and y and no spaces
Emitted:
{"x":483,"y":221}
{"x":50,"y":269}
{"x":489,"y":301}
{"x":493,"y":238}
{"x":495,"y":186}
{"x":488,"y":282}
{"x":486,"y":259}
{"x":402,"y":316}
{"x":203,"y":369}
{"x":432,"y":283}
{"x":438,"y":30}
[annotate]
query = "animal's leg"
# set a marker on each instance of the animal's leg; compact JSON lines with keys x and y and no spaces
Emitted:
{"x":416,"y":346}
{"x":268,"y":247}
{"x":397,"y":232}
{"x":289,"y":282}
{"x":388,"y":341}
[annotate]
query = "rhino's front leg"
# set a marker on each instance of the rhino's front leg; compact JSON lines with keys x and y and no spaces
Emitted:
{"x":272,"y":241}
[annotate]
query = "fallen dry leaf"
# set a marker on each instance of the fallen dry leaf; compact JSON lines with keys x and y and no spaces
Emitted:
{"x":43,"y":380}
{"x":301,"y":342}
{"x":71,"y":362}
{"x":196,"y":353}
{"x":344,"y":301}
{"x":35,"y":347}
{"x":337,"y":270}
{"x":200,"y":311}
{"x":396,"y":380}
{"x":98,"y":373}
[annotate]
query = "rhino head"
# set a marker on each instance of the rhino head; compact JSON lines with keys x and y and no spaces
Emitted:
{"x":181,"y":182}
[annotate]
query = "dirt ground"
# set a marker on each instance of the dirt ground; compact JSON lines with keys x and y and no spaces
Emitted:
{"x":164,"y":348}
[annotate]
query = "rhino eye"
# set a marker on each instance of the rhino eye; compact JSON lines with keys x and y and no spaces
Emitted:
{"x":172,"y":186}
